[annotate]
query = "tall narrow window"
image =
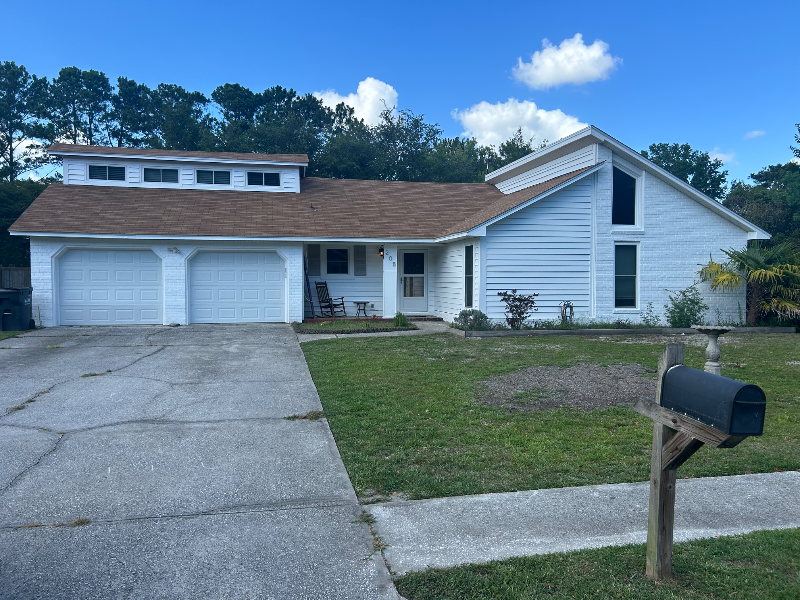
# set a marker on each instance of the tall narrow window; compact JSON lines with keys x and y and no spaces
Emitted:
{"x":360,"y":261}
{"x":623,"y":210}
{"x":337,"y":261}
{"x":312,"y":254}
{"x":468,"y":267}
{"x":625,"y":276}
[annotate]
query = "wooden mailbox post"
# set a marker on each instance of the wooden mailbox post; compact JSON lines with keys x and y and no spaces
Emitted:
{"x":677,"y":435}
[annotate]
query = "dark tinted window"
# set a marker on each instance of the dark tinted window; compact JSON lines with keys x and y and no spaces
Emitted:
{"x":413,"y":263}
{"x":624,"y":199}
{"x":312,"y":253}
{"x":337,"y":260}
{"x":205,"y":176}
{"x":116,"y":173}
{"x":169,"y":175}
{"x":152,"y":175}
{"x":98,"y":172}
{"x":624,"y":276}
{"x":222,"y":177}
{"x":272,"y":179}
{"x":468,"y":268}
{"x":255,"y":178}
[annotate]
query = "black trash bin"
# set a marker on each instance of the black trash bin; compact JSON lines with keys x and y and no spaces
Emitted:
{"x":16,"y":310}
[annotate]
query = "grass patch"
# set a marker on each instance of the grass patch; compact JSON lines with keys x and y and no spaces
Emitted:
{"x":764,"y":564}
{"x":350,"y":326}
{"x":79,"y":522}
{"x":96,"y":374}
{"x":53,"y":346}
{"x":4,"y":335}
{"x":404,"y":414}
{"x":314,"y":415}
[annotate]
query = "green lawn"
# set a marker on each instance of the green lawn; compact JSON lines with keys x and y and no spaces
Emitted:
{"x":4,"y":335}
{"x":765,"y":564}
{"x":403,"y":412}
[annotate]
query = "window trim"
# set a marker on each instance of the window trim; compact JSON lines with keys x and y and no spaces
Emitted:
{"x":469,"y":278}
{"x":162,"y":182}
{"x":106,"y":181}
{"x":638,"y":212}
{"x":213,"y":170}
{"x":637,"y":306}
{"x":262,"y":186}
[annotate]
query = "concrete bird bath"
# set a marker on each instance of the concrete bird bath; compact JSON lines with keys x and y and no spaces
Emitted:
{"x":712,"y":350}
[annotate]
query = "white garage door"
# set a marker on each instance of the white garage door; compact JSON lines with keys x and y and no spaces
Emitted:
{"x":109,"y":287}
{"x":236,"y":287}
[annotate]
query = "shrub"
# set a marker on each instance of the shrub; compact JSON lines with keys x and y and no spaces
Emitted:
{"x":649,"y":317}
{"x":685,"y":308}
{"x":400,"y":320}
{"x":472,"y":319}
{"x":518,"y":307}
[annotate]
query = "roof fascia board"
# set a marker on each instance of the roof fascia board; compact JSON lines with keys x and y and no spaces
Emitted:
{"x":586,"y":131}
{"x":178,"y":159}
{"x":480,"y":230}
{"x":754,"y":232}
{"x":106,"y":236}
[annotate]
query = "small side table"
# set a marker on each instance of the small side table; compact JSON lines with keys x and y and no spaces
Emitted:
{"x":361,"y":307}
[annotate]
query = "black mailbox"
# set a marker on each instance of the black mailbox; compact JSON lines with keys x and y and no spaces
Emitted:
{"x":731,"y":406}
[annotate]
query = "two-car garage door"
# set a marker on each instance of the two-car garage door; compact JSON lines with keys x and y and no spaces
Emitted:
{"x":113,"y":287}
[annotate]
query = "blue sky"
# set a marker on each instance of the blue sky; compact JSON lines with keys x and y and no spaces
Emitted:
{"x":705,"y":73}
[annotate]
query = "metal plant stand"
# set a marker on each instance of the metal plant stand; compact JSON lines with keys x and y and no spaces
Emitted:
{"x":712,"y":350}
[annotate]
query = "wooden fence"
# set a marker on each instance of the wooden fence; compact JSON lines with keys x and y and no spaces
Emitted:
{"x":15,"y":277}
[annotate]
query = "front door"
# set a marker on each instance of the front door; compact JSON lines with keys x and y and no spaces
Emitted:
{"x":413,"y":282}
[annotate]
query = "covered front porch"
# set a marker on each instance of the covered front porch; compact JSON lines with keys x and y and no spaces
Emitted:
{"x":385,"y":278}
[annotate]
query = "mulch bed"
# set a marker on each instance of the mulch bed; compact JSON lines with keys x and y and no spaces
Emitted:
{"x":585,"y":386}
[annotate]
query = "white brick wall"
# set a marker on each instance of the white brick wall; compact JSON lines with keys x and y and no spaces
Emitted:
{"x":678,"y":235}
{"x":45,"y":252}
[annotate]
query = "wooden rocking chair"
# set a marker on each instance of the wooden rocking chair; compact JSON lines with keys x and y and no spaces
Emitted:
{"x":326,"y":303}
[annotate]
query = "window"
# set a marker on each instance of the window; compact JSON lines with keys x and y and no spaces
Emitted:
{"x":623,"y":210}
{"x":625,"y":276}
{"x":106,"y":173}
{"x":267,"y":179}
{"x":468,"y":267}
{"x":360,"y":261}
{"x":213,"y":177}
{"x":312,"y":256}
{"x":337,"y":261}
{"x":160,"y":175}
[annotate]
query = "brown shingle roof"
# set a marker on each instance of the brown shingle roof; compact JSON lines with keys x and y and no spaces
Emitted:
{"x":59,"y":149}
{"x":342,"y":208}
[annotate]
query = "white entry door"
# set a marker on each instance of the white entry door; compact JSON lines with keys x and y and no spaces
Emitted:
{"x":237,"y":287}
{"x":109,"y":287}
{"x":414,"y":281}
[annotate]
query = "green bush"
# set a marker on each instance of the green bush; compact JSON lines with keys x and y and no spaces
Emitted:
{"x":400,"y":320}
{"x":518,"y":307}
{"x":472,"y":319}
{"x":650,"y":318}
{"x":685,"y":308}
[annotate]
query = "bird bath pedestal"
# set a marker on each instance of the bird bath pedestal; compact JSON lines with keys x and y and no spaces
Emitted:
{"x":712,"y":350}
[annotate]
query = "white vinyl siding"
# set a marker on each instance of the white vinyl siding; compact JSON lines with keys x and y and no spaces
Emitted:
{"x":448,"y":264}
{"x":545,"y":249}
{"x":566,"y":164}
{"x":368,"y":287}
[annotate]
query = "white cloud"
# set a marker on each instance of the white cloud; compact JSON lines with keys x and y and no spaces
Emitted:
{"x":368,"y":101}
{"x":495,"y":123}
{"x":570,"y":62}
{"x":725,"y":157}
{"x":754,"y":134}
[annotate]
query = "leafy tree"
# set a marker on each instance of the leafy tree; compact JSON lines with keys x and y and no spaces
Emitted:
{"x":404,"y":141}
{"x":772,"y":277}
{"x":78,"y":107}
{"x":238,"y":106}
{"x":515,"y":148}
{"x":796,"y":151}
{"x":518,"y":307}
{"x":15,"y":197}
{"x":20,"y":97}
{"x":696,"y":168}
{"x":457,"y":160}
{"x":180,"y":119}
{"x":349,"y":148}
{"x":131,"y":122}
{"x":772,"y":203}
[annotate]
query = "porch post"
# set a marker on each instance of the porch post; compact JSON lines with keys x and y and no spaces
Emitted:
{"x":390,"y":260}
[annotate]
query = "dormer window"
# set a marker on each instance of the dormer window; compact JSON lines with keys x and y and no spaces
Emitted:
{"x":213,"y":177}
{"x":624,"y":198}
{"x":266,"y":179}
{"x":106,"y":173}
{"x":160,"y":175}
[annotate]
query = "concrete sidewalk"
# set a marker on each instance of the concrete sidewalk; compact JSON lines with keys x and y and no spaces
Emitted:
{"x":444,"y":532}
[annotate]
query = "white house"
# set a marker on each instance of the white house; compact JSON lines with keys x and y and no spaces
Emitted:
{"x":158,"y":236}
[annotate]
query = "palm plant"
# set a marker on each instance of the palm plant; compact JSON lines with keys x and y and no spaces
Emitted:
{"x":772,"y":277}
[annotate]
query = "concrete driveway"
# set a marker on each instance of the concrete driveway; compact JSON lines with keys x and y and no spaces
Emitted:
{"x":157,"y":462}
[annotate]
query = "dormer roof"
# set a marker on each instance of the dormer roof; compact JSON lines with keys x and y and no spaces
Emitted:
{"x":300,"y":160}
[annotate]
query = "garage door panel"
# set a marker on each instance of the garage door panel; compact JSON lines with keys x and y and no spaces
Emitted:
{"x":234,"y":287}
{"x":126,"y":290}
